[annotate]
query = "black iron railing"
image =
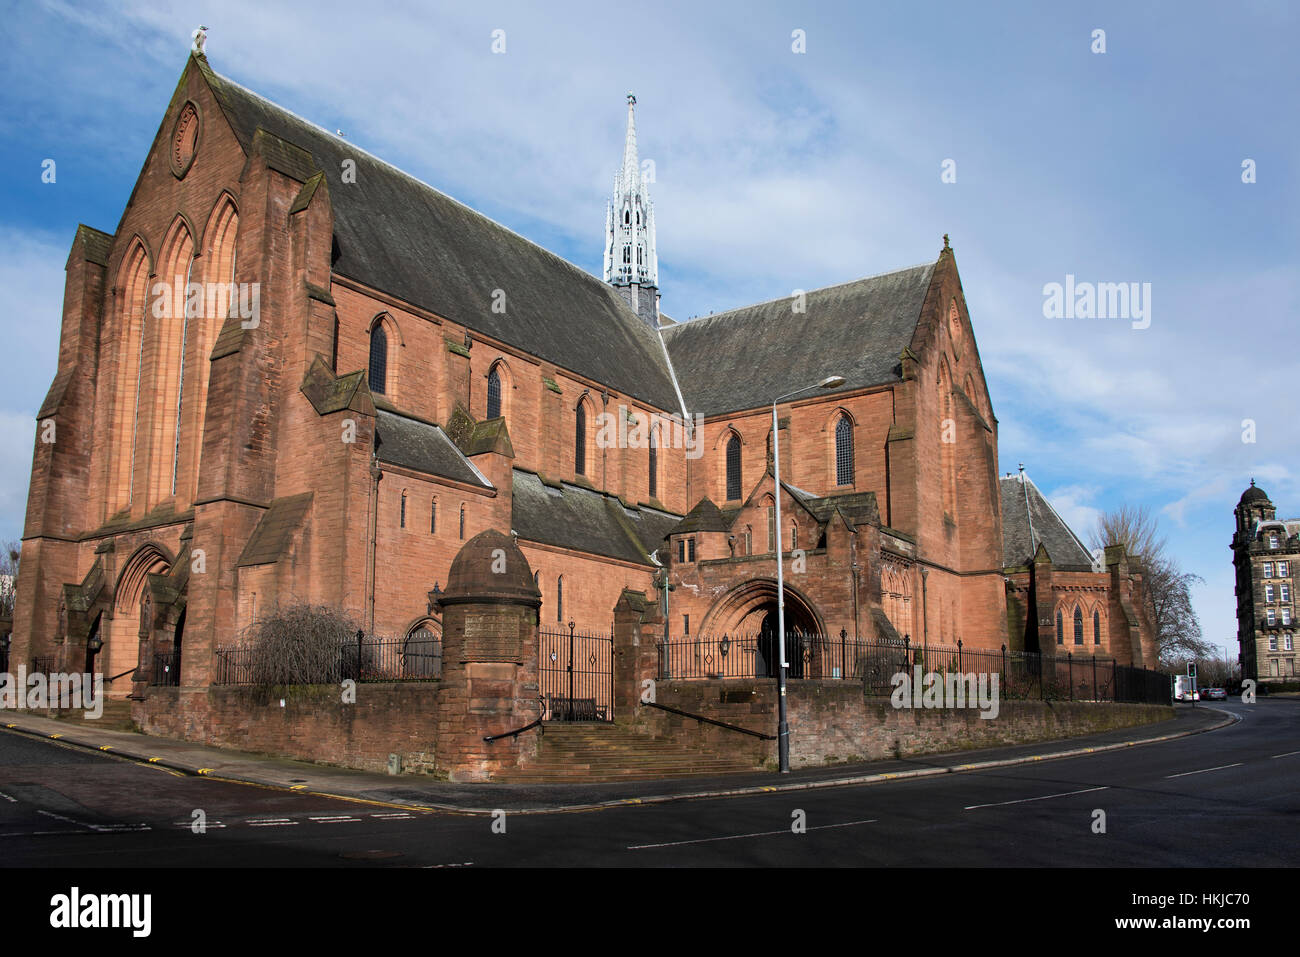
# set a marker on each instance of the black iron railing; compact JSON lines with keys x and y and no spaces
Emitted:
{"x":415,"y":658}
{"x":877,"y":664}
{"x":576,"y":674}
{"x":755,"y":656}
{"x":166,"y":669}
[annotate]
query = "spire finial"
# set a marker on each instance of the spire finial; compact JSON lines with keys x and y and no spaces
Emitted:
{"x":945,"y":241}
{"x":1252,"y":483}
{"x":631,"y":98}
{"x":200,"y":37}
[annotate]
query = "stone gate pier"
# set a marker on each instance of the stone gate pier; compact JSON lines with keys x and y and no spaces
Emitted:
{"x":489,"y":655}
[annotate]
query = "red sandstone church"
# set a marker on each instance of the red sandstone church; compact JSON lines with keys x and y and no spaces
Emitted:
{"x":382,"y":373}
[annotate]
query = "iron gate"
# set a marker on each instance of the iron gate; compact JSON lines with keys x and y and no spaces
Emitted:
{"x":577,"y":675}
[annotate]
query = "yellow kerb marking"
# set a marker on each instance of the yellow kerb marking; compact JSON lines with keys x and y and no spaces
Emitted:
{"x":205,"y":770}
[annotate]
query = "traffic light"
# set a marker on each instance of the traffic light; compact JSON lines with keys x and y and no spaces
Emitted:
{"x":1191,"y":669}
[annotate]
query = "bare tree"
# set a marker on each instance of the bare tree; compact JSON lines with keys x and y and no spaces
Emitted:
{"x":9,"y":577}
{"x":1167,"y":589}
{"x":301,"y":644}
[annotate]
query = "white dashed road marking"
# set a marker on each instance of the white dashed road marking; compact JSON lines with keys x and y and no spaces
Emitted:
{"x":736,"y":837}
{"x":972,"y":807}
{"x":1204,"y":770}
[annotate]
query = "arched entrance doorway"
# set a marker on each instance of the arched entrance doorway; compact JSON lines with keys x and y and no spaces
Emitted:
{"x":748,"y":612}
{"x":126,"y":646}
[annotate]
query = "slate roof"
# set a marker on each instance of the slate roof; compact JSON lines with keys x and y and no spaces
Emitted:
{"x":745,"y":358}
{"x":1049,"y":528}
{"x":424,"y":447}
{"x":271,"y":536}
{"x":403,"y":237}
{"x":586,"y":520}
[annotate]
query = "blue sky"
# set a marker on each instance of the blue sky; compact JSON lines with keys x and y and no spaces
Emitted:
{"x":778,"y":171}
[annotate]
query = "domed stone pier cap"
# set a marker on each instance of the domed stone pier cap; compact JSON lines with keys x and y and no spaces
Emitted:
{"x":491,"y":568}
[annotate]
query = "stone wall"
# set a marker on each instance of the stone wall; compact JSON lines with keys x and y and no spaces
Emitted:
{"x":831,"y":721}
{"x":314,"y":724}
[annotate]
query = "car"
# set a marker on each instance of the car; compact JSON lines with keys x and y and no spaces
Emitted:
{"x":1214,"y":694}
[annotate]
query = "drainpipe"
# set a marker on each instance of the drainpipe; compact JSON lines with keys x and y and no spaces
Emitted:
{"x":925,"y":611}
{"x":854,"y":543}
{"x":372,"y":523}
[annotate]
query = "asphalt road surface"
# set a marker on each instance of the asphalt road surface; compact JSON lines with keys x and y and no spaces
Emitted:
{"x":1223,"y":798}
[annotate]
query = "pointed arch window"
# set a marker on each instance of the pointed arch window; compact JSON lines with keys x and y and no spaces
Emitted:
{"x":843,"y":451}
{"x":378,"y":359}
{"x":733,"y":467}
{"x":654,"y":464}
{"x":580,"y":440}
{"x":1060,"y":630}
{"x":1078,"y":625}
{"x":494,"y":393}
{"x":1096,"y":627}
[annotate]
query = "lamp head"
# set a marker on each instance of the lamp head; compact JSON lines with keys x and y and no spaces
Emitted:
{"x":831,"y":382}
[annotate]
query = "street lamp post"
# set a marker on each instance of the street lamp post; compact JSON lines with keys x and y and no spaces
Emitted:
{"x":783,"y":724}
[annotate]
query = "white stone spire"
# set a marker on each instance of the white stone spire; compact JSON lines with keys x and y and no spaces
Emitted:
{"x":631,"y":261}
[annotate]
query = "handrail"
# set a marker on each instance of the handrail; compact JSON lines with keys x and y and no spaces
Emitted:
{"x":720,"y":724}
{"x":109,"y":681}
{"x":489,"y":738}
{"x":510,"y":734}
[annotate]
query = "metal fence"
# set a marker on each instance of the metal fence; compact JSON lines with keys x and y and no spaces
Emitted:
{"x":1021,"y":674}
{"x":417,"y":657}
{"x":166,"y":669}
{"x":576,"y":675}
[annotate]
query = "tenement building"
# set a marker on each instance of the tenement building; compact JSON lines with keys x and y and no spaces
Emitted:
{"x":295,"y":373}
{"x":1265,"y":550}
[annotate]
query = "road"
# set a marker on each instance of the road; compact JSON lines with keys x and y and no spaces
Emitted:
{"x":1223,"y":798}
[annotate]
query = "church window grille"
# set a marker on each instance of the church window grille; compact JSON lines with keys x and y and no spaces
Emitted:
{"x":493,"y":393}
{"x":1060,"y":630}
{"x":844,"y":451}
{"x":378,"y":359}
{"x":1078,"y":626}
{"x":462,"y":522}
{"x":749,"y":540}
{"x":686,"y":624}
{"x":403,"y":515}
{"x":733,"y":468}
{"x":1096,"y":627}
{"x":559,"y":598}
{"x":433,"y":517}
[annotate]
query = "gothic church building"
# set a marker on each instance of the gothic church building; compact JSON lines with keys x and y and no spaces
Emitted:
{"x":374,"y":373}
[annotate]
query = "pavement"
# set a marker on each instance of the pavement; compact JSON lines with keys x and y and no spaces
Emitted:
{"x":431,"y":794}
